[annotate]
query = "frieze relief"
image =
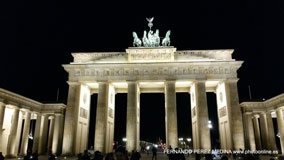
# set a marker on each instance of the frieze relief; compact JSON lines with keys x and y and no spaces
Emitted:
{"x":159,"y":71}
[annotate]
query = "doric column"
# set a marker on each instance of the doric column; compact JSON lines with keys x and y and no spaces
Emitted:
{"x":56,"y":142}
{"x":257,"y":132}
{"x":76,"y":119}
{"x":104,"y":130}
{"x":280,"y":122}
{"x":50,"y":134}
{"x":26,"y":131}
{"x":43,"y":134}
{"x":132,"y":119}
{"x":199,"y":115}
{"x":171,"y":114}
{"x":271,"y":135}
{"x":60,"y":143}
{"x":37,"y":133}
{"x":19,"y":133}
{"x":71,"y":119}
{"x":249,"y":133}
{"x":230,"y":116}
{"x":2,"y":114}
{"x":263,"y":130}
{"x":13,"y":133}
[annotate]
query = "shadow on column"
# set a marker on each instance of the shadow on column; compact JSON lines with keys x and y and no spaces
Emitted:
{"x":21,"y":136}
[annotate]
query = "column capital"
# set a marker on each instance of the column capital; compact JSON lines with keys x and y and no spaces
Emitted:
{"x":233,"y":80}
{"x":269,"y":111}
{"x":263,"y":113}
{"x":102,"y":82}
{"x":131,"y":81}
{"x":51,"y":116}
{"x":25,"y":110}
{"x":248,"y":113}
{"x":2,"y":103}
{"x":169,"y":81}
{"x":58,"y":114}
{"x":201,"y":80}
{"x":256,"y":115}
{"x":70,"y":83}
{"x":37,"y":113}
{"x":44,"y":114}
{"x":12,"y":106}
{"x":279,"y":108}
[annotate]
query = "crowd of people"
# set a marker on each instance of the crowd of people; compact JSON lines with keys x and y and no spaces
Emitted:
{"x":121,"y":153}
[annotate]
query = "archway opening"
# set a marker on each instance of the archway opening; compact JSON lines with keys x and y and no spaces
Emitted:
{"x":152,"y":117}
{"x":120,"y":118}
{"x":92,"y":120}
{"x":184,"y":120}
{"x":213,"y":118}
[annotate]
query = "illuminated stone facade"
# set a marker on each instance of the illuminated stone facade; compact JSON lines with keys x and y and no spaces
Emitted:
{"x":16,"y":126}
{"x":152,"y":70}
{"x":259,"y":126}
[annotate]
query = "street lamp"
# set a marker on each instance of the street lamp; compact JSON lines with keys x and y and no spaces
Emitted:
{"x":124,"y":139}
{"x":180,"y":139}
{"x":210,"y":124}
{"x":188,"y":139}
{"x":278,"y":134}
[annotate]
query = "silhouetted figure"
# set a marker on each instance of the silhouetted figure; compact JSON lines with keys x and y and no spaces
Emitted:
{"x":35,"y":156}
{"x":154,"y":152}
{"x":109,"y":156}
{"x":115,"y":146}
{"x":98,"y":156}
{"x":281,"y":158}
{"x":51,"y":156}
{"x":85,"y":155}
{"x":178,"y":155}
{"x":28,"y":156}
{"x":170,"y":154}
{"x":121,"y":153}
{"x":1,"y":156}
{"x":79,"y":156}
{"x":197,"y":156}
{"x":224,"y":157}
{"x":135,"y":155}
{"x":208,"y":157}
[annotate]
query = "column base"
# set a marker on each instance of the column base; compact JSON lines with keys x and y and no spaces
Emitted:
{"x":11,"y":156}
{"x":68,"y":155}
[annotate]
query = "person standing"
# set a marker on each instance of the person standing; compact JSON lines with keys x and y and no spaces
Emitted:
{"x":1,"y":156}
{"x":154,"y":151}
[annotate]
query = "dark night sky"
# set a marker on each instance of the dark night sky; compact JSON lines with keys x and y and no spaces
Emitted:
{"x":38,"y":36}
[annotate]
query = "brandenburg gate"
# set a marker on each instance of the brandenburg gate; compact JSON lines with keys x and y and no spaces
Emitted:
{"x":149,"y":67}
{"x":152,"y":70}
